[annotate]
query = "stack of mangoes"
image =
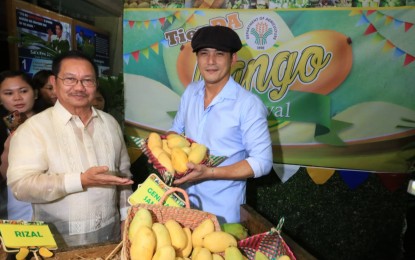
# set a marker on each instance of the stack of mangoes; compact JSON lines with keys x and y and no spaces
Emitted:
{"x":172,"y":241}
{"x":174,"y":151}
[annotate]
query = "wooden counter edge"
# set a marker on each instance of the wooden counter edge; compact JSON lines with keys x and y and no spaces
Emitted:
{"x":256,"y":224}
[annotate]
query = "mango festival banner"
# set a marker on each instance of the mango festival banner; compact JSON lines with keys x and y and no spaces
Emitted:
{"x":338,"y":83}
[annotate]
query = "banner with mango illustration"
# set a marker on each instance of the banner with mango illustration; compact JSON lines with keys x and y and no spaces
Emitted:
{"x":338,"y":83}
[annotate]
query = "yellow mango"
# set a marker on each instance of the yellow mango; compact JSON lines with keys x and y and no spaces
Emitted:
{"x":188,"y":248}
{"x":156,"y":151}
{"x":179,"y":258}
{"x":165,"y":253}
{"x":45,"y":253}
{"x":177,"y":234}
{"x":162,"y":235}
{"x":165,"y":160}
{"x":141,"y":218}
{"x":166,"y":147}
{"x":260,"y":256}
{"x":233,"y":253}
{"x":217,"y":257}
{"x":143,"y":244}
{"x":198,"y":154}
{"x":154,"y":140}
{"x":203,"y":254}
{"x":283,"y":257}
{"x":204,"y":228}
{"x":175,"y":140}
{"x":23,"y":252}
{"x":187,"y":149}
{"x":179,"y":160}
{"x":218,"y":241}
{"x":195,"y":251}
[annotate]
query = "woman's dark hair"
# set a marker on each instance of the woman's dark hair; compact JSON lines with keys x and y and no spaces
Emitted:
{"x":73,"y":54}
{"x":15,"y":73}
{"x":41,"y":78}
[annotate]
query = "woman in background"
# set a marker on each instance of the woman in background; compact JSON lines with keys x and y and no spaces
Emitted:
{"x":16,"y":93}
{"x":41,"y":82}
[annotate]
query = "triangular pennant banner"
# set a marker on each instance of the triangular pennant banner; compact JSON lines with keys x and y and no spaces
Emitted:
{"x":154,"y":23}
{"x":393,"y":181}
{"x":362,"y":20}
{"x":285,"y":171}
{"x":397,"y":23}
{"x":146,"y":23}
{"x":388,"y":20}
{"x":378,"y":16}
{"x":408,"y":26}
{"x":138,"y":24}
{"x":126,"y":58}
{"x":388,"y":46}
{"x":145,"y":52}
{"x":136,"y":55}
{"x":192,"y":20}
{"x":398,"y":52}
{"x":370,"y":29}
{"x":353,"y":179}
{"x":369,"y":12}
{"x":155,"y":47}
{"x":378,"y":37}
{"x":124,"y":23}
{"x":320,"y":175}
{"x":131,"y":23}
{"x":408,"y":59}
{"x":162,"y":20}
{"x":355,"y":12}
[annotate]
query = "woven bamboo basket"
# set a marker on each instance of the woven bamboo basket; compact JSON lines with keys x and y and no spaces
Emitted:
{"x":187,"y":217}
{"x":270,"y":243}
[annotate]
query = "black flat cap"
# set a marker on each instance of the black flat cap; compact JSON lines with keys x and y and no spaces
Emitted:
{"x":217,"y":37}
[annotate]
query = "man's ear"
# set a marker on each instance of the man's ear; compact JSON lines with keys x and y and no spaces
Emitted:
{"x":234,"y":58}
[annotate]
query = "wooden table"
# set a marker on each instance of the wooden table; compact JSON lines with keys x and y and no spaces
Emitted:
{"x":251,"y":219}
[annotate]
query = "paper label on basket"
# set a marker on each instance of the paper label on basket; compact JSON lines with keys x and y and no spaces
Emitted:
{"x":26,"y":234}
{"x":151,"y":191}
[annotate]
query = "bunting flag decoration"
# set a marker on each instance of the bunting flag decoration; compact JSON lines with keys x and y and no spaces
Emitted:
{"x":353,"y":178}
{"x":389,"y":45}
{"x":162,"y":20}
{"x":355,"y":12}
{"x":155,"y":47}
{"x":285,"y":171}
{"x":320,"y":175}
{"x":393,"y":181}
{"x":135,"y":54}
{"x":126,"y":58}
{"x":131,"y":23}
{"x":408,"y":26}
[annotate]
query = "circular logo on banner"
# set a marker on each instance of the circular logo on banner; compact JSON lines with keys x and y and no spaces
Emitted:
{"x":261,"y":33}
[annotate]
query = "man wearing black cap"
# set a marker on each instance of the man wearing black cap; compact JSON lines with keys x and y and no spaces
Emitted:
{"x":229,"y":120}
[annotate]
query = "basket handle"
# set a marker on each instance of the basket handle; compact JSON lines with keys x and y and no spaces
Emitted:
{"x":175,"y":189}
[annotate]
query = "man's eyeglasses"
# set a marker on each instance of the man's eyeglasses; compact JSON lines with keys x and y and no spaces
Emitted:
{"x":73,"y":81}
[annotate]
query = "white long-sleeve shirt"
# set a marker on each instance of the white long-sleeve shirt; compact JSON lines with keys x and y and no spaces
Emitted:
{"x":47,"y":155}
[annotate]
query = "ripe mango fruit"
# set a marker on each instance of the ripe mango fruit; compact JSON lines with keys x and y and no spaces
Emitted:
{"x":179,"y":160}
{"x":218,"y":241}
{"x":204,"y":228}
{"x":23,"y":252}
{"x":175,"y":140}
{"x":162,"y":235}
{"x":177,"y":234}
{"x":154,"y":140}
{"x":197,"y":154}
{"x":156,"y":151}
{"x":233,"y":253}
{"x":143,"y":244}
{"x":235,"y":229}
{"x":189,"y":246}
{"x":165,"y":160}
{"x":45,"y":253}
{"x":260,"y":256}
{"x":141,"y":218}
{"x":166,"y":148}
{"x":165,"y":253}
{"x":283,"y":257}
{"x":217,"y":257}
{"x":203,"y":254}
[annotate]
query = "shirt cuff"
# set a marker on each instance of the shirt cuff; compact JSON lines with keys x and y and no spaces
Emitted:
{"x":73,"y":183}
{"x":255,"y":167}
{"x":123,"y":213}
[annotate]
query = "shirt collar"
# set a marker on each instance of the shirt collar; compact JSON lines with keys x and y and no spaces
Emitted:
{"x":65,"y":116}
{"x":228,"y":92}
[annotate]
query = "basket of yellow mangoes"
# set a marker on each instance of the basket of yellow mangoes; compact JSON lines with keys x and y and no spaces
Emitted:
{"x":170,"y":154}
{"x":157,"y":232}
